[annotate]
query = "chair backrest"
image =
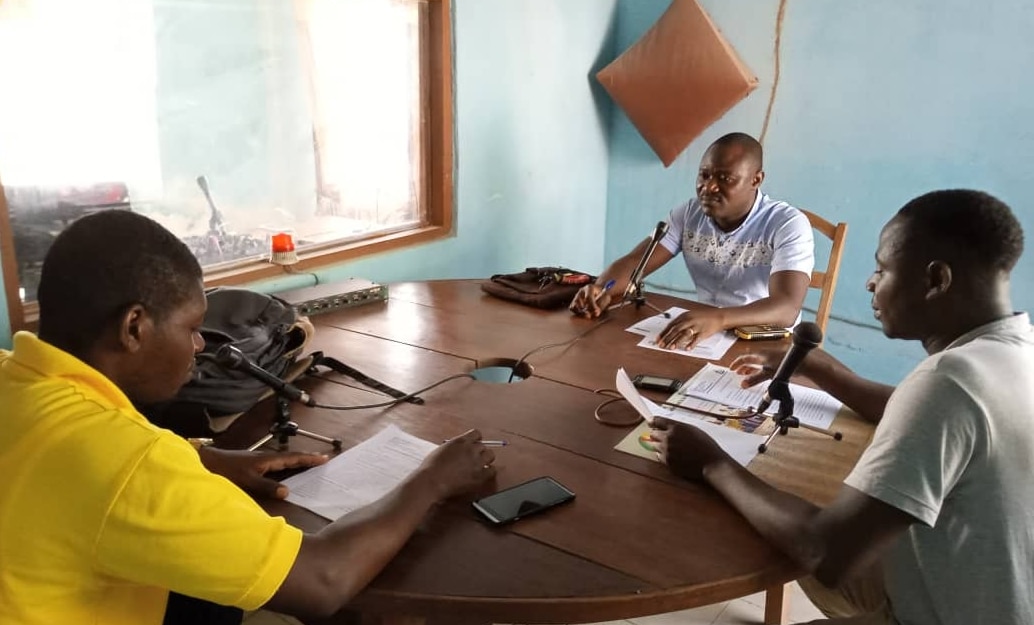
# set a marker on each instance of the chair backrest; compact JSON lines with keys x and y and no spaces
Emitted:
{"x":827,"y":280}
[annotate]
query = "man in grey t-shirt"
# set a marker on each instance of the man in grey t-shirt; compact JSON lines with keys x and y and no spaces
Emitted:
{"x":935,"y":524}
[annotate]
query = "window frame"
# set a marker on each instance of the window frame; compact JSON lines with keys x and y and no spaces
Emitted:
{"x":437,"y":139}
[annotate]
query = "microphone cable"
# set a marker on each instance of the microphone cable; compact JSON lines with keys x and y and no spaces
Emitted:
{"x":396,"y":400}
{"x":391,"y":402}
{"x":540,"y":348}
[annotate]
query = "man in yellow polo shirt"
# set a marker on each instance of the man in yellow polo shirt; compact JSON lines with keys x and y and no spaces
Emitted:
{"x":102,"y":514}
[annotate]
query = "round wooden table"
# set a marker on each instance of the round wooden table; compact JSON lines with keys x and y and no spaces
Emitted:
{"x":635,"y":541}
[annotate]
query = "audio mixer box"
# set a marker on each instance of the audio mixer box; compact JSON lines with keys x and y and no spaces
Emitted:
{"x":323,"y":298}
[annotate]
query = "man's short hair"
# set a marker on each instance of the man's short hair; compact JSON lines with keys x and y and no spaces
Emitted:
{"x":100,"y":266}
{"x":748,"y":144}
{"x":971,"y":225}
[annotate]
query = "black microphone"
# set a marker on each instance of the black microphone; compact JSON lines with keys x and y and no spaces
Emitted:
{"x":229,"y":357}
{"x":806,"y":337}
{"x":633,"y":287}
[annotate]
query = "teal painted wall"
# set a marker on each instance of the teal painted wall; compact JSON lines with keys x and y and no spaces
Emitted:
{"x":877,"y":103}
{"x":531,"y":147}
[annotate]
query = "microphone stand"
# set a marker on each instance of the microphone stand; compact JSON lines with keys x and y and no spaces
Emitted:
{"x":283,"y":429}
{"x":634,"y":290}
{"x":779,"y":390}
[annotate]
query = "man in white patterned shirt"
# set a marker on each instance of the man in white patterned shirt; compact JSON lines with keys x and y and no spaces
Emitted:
{"x":750,"y":256}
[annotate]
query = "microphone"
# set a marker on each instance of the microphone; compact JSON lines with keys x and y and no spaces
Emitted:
{"x":229,"y":357}
{"x":634,"y":280}
{"x":806,"y":337}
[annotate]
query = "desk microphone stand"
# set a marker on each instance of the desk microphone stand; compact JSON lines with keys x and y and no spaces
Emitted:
{"x":784,"y":419}
{"x":634,"y":290}
{"x":283,"y":429}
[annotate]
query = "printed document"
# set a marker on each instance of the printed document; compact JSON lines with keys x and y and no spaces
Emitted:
{"x":360,"y":475}
{"x":739,"y":442}
{"x":713,"y":347}
{"x":722,"y":386}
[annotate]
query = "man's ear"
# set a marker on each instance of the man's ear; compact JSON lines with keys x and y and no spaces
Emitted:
{"x":938,"y":279}
{"x":758,"y":178}
{"x":134,"y":328}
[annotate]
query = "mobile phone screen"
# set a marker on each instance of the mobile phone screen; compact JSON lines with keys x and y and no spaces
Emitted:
{"x":523,"y":499}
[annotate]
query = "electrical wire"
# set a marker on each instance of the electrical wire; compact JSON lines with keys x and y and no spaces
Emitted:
{"x":613,"y":398}
{"x":397,"y":400}
{"x":520,"y":361}
{"x":289,"y":269}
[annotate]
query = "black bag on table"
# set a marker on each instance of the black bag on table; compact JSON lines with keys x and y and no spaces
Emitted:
{"x":267,"y":331}
{"x":541,"y":287}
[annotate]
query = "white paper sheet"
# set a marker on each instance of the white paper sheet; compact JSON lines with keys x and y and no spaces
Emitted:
{"x":722,"y":385}
{"x":741,"y":446}
{"x":713,"y":347}
{"x":360,"y":475}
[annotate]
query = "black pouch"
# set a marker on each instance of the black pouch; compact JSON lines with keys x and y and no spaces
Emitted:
{"x":541,"y":287}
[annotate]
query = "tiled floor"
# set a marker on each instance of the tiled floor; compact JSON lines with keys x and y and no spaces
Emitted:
{"x":745,"y":611}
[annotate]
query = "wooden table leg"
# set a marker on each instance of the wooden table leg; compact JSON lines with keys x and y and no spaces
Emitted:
{"x":777,"y":605}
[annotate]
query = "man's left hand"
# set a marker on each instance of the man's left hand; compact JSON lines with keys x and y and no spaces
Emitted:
{"x":691,"y":327}
{"x":687,"y":450}
{"x":248,"y":469}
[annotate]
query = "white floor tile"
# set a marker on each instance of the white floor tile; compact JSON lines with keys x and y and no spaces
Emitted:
{"x":704,"y":615}
{"x":801,"y":608}
{"x":739,"y":612}
{"x":265,"y":617}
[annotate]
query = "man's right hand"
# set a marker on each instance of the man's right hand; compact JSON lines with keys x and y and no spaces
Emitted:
{"x":459,"y":465}
{"x":590,"y":301}
{"x":756,"y":367}
{"x":759,"y":366}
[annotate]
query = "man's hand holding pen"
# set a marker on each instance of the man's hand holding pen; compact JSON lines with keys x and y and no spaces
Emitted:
{"x":459,"y":464}
{"x":592,"y":299}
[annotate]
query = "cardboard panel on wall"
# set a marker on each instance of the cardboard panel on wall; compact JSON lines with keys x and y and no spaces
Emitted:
{"x":678,"y":79}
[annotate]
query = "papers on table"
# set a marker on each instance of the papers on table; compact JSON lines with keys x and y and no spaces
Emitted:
{"x":714,"y":392}
{"x":740,"y":444}
{"x":360,"y":475}
{"x":711,"y":348}
{"x":721,"y":386}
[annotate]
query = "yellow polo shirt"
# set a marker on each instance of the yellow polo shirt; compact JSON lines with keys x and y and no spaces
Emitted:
{"x":102,"y":513}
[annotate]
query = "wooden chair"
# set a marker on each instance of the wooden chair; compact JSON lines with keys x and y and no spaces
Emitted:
{"x":827,"y":280}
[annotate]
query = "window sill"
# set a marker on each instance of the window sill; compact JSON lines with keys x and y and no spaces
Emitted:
{"x":325,"y":257}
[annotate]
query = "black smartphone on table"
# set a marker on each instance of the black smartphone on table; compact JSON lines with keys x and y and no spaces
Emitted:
{"x":524,"y":499}
{"x":656,"y":383}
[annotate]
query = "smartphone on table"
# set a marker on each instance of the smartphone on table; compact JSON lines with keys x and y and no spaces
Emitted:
{"x":761,"y":332}
{"x":517,"y":502}
{"x":656,"y":383}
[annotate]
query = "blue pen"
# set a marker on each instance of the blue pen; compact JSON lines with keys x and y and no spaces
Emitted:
{"x":606,"y":287}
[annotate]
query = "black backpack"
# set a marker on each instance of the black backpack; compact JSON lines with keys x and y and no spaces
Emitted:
{"x":267,"y":331}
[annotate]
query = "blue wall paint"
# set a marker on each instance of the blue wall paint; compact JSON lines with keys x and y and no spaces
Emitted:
{"x":531,"y":147}
{"x":876,"y":104}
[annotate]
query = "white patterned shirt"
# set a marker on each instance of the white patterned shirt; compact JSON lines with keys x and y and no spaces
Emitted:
{"x":733,"y":268}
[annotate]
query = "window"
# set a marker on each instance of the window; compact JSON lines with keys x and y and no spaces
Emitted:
{"x":228,"y":121}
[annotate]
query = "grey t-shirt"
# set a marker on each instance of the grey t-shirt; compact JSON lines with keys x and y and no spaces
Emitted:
{"x":955,"y":449}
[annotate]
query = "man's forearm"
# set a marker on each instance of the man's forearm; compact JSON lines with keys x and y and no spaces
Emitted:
{"x":767,"y":311}
{"x":338,"y":562}
{"x":782,"y":519}
{"x":866,"y":397}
